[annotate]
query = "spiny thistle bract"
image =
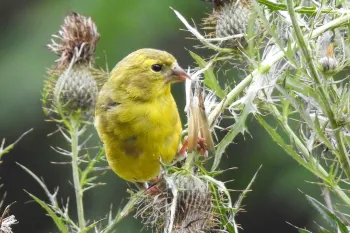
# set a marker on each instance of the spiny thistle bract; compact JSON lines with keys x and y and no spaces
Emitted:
{"x":72,"y":86}
{"x":183,"y":204}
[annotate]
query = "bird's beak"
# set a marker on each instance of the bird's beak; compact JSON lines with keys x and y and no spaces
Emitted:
{"x":177,"y":75}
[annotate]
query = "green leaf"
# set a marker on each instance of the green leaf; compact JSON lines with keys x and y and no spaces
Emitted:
{"x":300,"y":230}
{"x":323,"y":230}
{"x":279,"y":140}
{"x":238,"y":127}
{"x":303,"y":230}
{"x":273,"y":6}
{"x":238,"y":203}
{"x":331,"y":218}
{"x":58,"y":221}
{"x":209,"y":77}
{"x":92,"y":225}
{"x":124,"y":212}
{"x":11,"y":146}
{"x":225,"y":211}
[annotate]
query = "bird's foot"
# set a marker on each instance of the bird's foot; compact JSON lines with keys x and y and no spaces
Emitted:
{"x":151,"y":189}
{"x":202,"y":147}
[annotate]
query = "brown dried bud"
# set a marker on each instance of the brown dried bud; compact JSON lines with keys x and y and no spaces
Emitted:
{"x":72,"y":85}
{"x":77,"y":40}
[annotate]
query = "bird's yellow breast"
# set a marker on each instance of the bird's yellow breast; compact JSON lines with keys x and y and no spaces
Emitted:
{"x":137,"y":135}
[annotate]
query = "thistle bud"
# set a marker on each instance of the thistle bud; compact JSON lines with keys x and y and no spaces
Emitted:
{"x":76,"y":89}
{"x":325,"y":45}
{"x":77,"y":40}
{"x":328,"y":64}
{"x":72,"y":86}
{"x":232,"y":19}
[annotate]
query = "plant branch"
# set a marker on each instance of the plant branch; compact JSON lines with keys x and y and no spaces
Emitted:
{"x":327,"y":103}
{"x":312,"y":165}
{"x":74,"y":130}
{"x":267,"y":63}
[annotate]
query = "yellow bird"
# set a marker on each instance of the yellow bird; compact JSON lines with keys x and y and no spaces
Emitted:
{"x":136,"y":116}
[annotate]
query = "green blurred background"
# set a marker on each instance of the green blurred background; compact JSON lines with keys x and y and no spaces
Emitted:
{"x":124,"y":26}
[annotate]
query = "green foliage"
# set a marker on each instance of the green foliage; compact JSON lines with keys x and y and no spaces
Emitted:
{"x":335,"y":223}
{"x":209,"y":77}
{"x":5,"y":150}
{"x":285,"y":83}
{"x":58,"y":220}
{"x":304,"y":109}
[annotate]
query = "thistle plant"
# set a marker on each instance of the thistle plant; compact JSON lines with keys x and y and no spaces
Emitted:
{"x":69,"y":98}
{"x":292,"y":59}
{"x":188,"y":197}
{"x":7,"y":220}
{"x":296,"y":77}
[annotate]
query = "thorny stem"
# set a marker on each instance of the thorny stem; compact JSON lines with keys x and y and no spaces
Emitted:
{"x":303,"y":10}
{"x":319,"y":171}
{"x":342,"y":156}
{"x":201,"y":38}
{"x":190,"y":160}
{"x":264,"y":67}
{"x":74,"y":129}
{"x":267,"y":63}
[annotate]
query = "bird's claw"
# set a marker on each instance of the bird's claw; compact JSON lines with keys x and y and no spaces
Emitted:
{"x":202,"y":147}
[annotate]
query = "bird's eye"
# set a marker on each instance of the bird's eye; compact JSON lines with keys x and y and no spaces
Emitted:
{"x":156,"y":67}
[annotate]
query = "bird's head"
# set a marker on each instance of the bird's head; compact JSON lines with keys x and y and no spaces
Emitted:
{"x":148,"y":72}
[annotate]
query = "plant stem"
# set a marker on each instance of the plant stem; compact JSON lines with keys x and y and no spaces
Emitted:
{"x":342,"y":155}
{"x":267,"y":63}
{"x":74,"y":129}
{"x":190,"y":160}
{"x":312,"y":165}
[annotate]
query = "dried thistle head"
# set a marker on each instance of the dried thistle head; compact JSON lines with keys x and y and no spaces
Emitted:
{"x":7,"y":222}
{"x":77,"y":40}
{"x":72,"y":86}
{"x":198,"y":123}
{"x":183,"y":205}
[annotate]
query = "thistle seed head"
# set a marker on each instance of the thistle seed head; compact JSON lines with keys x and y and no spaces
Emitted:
{"x":76,"y":41}
{"x":184,"y":205}
{"x":194,"y":205}
{"x":6,"y":224}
